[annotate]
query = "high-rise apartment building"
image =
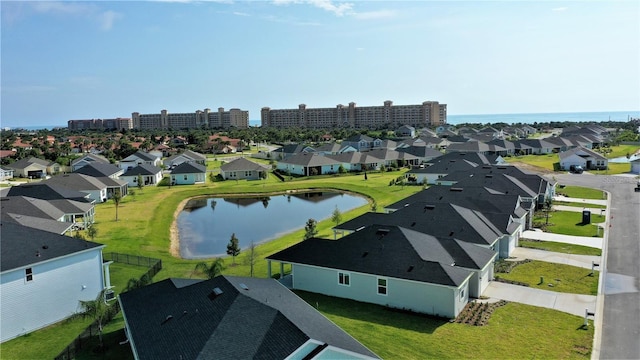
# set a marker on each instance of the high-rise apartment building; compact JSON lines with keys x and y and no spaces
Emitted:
{"x":199,"y":119}
{"x":429,"y":113}
{"x":100,"y":124}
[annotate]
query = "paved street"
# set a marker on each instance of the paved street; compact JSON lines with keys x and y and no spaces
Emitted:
{"x":618,"y":310}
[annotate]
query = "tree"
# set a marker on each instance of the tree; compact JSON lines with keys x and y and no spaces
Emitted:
{"x":134,"y":283}
{"x":310,"y":229}
{"x":92,"y":232}
{"x":233,"y":248}
{"x":139,"y":181}
{"x":252,"y":257}
{"x":336,"y":216}
{"x":374,"y":206}
{"x":210,"y":271}
{"x":116,"y":200}
{"x":97,"y":309}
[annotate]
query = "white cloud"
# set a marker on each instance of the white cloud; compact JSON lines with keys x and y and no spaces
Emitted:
{"x":339,"y":9}
{"x":564,"y":8}
{"x":360,"y":49}
{"x":107,"y":19}
{"x":240,"y":13}
{"x":374,"y":15}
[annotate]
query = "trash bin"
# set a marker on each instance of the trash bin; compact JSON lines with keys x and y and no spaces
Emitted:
{"x":586,"y":217}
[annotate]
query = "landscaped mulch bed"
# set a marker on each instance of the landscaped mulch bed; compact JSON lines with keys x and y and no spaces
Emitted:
{"x":478,"y":313}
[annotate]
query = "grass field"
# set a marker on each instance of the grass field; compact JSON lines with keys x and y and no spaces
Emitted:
{"x":581,"y":192}
{"x":570,"y":223}
{"x":515,"y":331}
{"x":559,"y":247}
{"x":580,"y":205}
{"x":564,"y":278}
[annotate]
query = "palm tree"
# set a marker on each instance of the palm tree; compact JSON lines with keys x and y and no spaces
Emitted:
{"x":97,"y":309}
{"x":212,"y":270}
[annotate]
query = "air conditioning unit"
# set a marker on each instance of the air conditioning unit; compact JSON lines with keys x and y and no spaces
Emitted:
{"x":109,"y":295}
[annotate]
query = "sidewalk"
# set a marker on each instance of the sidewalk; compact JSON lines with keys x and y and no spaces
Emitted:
{"x":595,"y":242}
{"x":569,"y":303}
{"x":583,"y":261}
{"x":577,"y":200}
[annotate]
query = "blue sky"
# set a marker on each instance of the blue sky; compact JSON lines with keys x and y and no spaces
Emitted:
{"x":83,"y":60}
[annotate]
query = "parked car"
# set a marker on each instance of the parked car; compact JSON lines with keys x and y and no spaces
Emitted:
{"x":576,"y":169}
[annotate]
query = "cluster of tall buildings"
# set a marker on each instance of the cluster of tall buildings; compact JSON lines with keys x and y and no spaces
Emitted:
{"x":429,"y":113}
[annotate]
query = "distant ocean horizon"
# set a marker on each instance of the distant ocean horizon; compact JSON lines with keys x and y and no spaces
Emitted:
{"x":524,"y":118}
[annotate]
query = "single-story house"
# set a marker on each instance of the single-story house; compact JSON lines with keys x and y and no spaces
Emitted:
{"x":243,"y":169}
{"x":587,"y":158}
{"x":44,"y":276}
{"x":186,"y":156}
{"x":88,"y":159}
{"x":96,"y":189}
{"x":389,"y":266}
{"x":151,"y":175}
{"x":230,"y":317}
{"x":406,"y":131}
{"x":139,"y":158}
{"x":307,"y":164}
{"x":188,"y":173}
{"x":29,"y":168}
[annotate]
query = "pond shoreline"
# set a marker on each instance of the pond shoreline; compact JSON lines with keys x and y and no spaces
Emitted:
{"x":174,"y":233}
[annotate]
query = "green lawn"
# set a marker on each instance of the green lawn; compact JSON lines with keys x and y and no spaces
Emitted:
{"x":570,"y":223}
{"x":622,"y":150}
{"x":515,"y":331}
{"x":564,"y":278}
{"x":544,"y":161}
{"x":613,"y":169}
{"x":559,"y":247}
{"x":581,"y":192}
{"x":112,"y":335}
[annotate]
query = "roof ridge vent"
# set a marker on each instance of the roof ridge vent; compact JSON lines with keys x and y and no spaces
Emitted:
{"x":429,"y":207}
{"x":488,"y":175}
{"x":456,"y":189}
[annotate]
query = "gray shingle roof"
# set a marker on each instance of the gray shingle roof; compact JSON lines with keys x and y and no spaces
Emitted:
{"x":22,"y":246}
{"x":142,"y":169}
{"x":47,"y":191}
{"x":79,"y":182}
{"x":264,"y":321}
{"x":99,"y":170}
{"x":189,"y":168}
{"x":381,"y":250}
{"x":242,"y":164}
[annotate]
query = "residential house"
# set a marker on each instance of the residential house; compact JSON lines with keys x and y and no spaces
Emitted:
{"x":334,"y":149}
{"x":46,"y":190}
{"x":390,"y":266}
{"x":289,"y":150}
{"x":150,"y":174}
{"x":88,"y":159}
{"x":357,"y":161}
{"x":99,"y":170}
{"x":96,"y":189}
{"x":139,"y":158}
{"x":538,"y":146}
{"x":362,"y":142}
{"x":394,"y":158}
{"x":307,"y":164}
{"x":230,"y":317}
{"x":243,"y":169}
{"x":423,"y":153}
{"x":587,"y":158}
{"x":476,"y":147}
{"x":635,"y":166}
{"x":406,"y":131}
{"x":32,"y":168}
{"x":188,"y":173}
{"x":73,"y":213}
{"x":6,"y":173}
{"x":44,"y":276}
{"x":186,"y":156}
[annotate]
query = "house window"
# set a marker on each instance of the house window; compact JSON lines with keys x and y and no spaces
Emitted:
{"x":462,"y":294}
{"x":344,"y":279}
{"x":185,"y":177}
{"x":382,"y":286}
{"x":28,"y":272}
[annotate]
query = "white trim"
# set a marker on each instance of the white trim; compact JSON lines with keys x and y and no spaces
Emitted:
{"x":345,"y":276}
{"x":386,"y":285}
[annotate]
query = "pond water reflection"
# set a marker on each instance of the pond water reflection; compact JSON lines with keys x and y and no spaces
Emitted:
{"x":206,"y":224}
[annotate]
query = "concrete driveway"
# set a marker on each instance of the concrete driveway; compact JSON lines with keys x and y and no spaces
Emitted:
{"x":583,"y":261}
{"x":574,"y":304}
